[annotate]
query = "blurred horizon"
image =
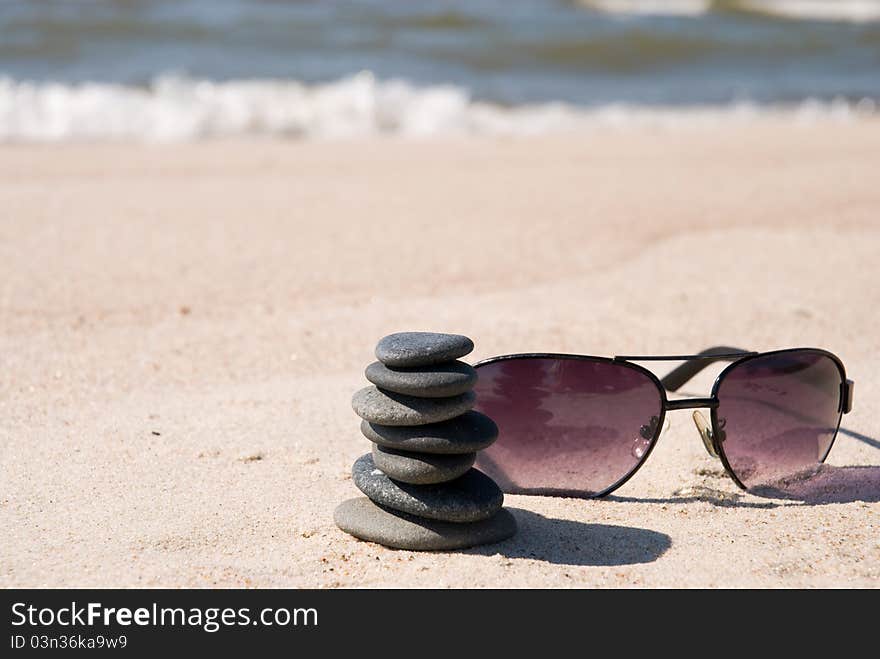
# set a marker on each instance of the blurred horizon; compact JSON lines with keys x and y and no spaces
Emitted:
{"x":57,"y":56}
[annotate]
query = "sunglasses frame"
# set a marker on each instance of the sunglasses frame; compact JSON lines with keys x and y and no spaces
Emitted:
{"x":674,"y":380}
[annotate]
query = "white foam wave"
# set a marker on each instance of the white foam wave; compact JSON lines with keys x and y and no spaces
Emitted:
{"x":853,"y":11}
{"x":651,"y":7}
{"x":176,"y":108}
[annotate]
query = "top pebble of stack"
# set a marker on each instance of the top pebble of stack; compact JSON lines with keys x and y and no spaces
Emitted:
{"x":414,"y":349}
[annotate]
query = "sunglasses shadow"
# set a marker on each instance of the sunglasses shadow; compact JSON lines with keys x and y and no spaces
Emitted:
{"x":566,"y":542}
{"x":870,"y":441}
{"x":828,"y":485}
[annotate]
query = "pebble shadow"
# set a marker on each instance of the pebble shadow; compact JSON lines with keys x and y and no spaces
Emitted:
{"x":566,"y":542}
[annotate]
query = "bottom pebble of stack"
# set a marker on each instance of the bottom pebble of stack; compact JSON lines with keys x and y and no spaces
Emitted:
{"x":368,"y":521}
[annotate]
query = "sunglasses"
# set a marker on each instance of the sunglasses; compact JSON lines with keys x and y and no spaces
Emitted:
{"x":574,"y":425}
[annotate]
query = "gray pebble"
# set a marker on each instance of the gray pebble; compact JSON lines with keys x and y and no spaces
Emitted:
{"x":421,"y":468}
{"x":391,"y":409}
{"x":408,"y":349}
{"x":467,"y":433}
{"x":469,"y":498}
{"x":437,"y":381}
{"x":368,"y":521}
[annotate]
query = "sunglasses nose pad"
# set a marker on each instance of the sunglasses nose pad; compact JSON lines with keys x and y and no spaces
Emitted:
{"x":705,"y":431}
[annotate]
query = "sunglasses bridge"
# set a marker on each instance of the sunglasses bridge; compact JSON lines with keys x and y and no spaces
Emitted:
{"x":703,"y":426}
{"x":676,"y":378}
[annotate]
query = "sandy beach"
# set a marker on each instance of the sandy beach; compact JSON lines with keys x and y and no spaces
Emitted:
{"x":182,"y":327}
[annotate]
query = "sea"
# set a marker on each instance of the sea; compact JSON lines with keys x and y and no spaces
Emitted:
{"x":169,"y":70}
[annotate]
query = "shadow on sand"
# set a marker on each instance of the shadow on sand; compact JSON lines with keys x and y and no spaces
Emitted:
{"x":565,"y":542}
{"x":830,"y":484}
{"x":865,"y":439}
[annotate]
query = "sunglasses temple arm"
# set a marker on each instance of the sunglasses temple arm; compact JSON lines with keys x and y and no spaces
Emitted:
{"x":677,"y":377}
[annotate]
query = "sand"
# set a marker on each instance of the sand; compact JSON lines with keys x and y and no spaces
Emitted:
{"x":182,"y":327}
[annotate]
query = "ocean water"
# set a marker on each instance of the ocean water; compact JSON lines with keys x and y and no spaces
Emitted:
{"x":185,"y":69}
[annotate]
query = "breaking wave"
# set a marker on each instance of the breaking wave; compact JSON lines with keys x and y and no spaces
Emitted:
{"x":852,"y":11}
{"x":178,"y":108}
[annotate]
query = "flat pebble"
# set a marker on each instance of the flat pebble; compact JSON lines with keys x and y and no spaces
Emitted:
{"x":368,"y":521}
{"x":469,"y":498}
{"x":391,"y":409}
{"x":470,"y":432}
{"x":436,"y":381}
{"x":409,"y":349}
{"x":421,"y":468}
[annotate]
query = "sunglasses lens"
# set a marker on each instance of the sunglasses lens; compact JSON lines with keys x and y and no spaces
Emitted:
{"x":778,"y":415}
{"x":566,"y":426}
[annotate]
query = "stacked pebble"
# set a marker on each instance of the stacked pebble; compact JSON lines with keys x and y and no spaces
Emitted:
{"x":422,"y":490}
